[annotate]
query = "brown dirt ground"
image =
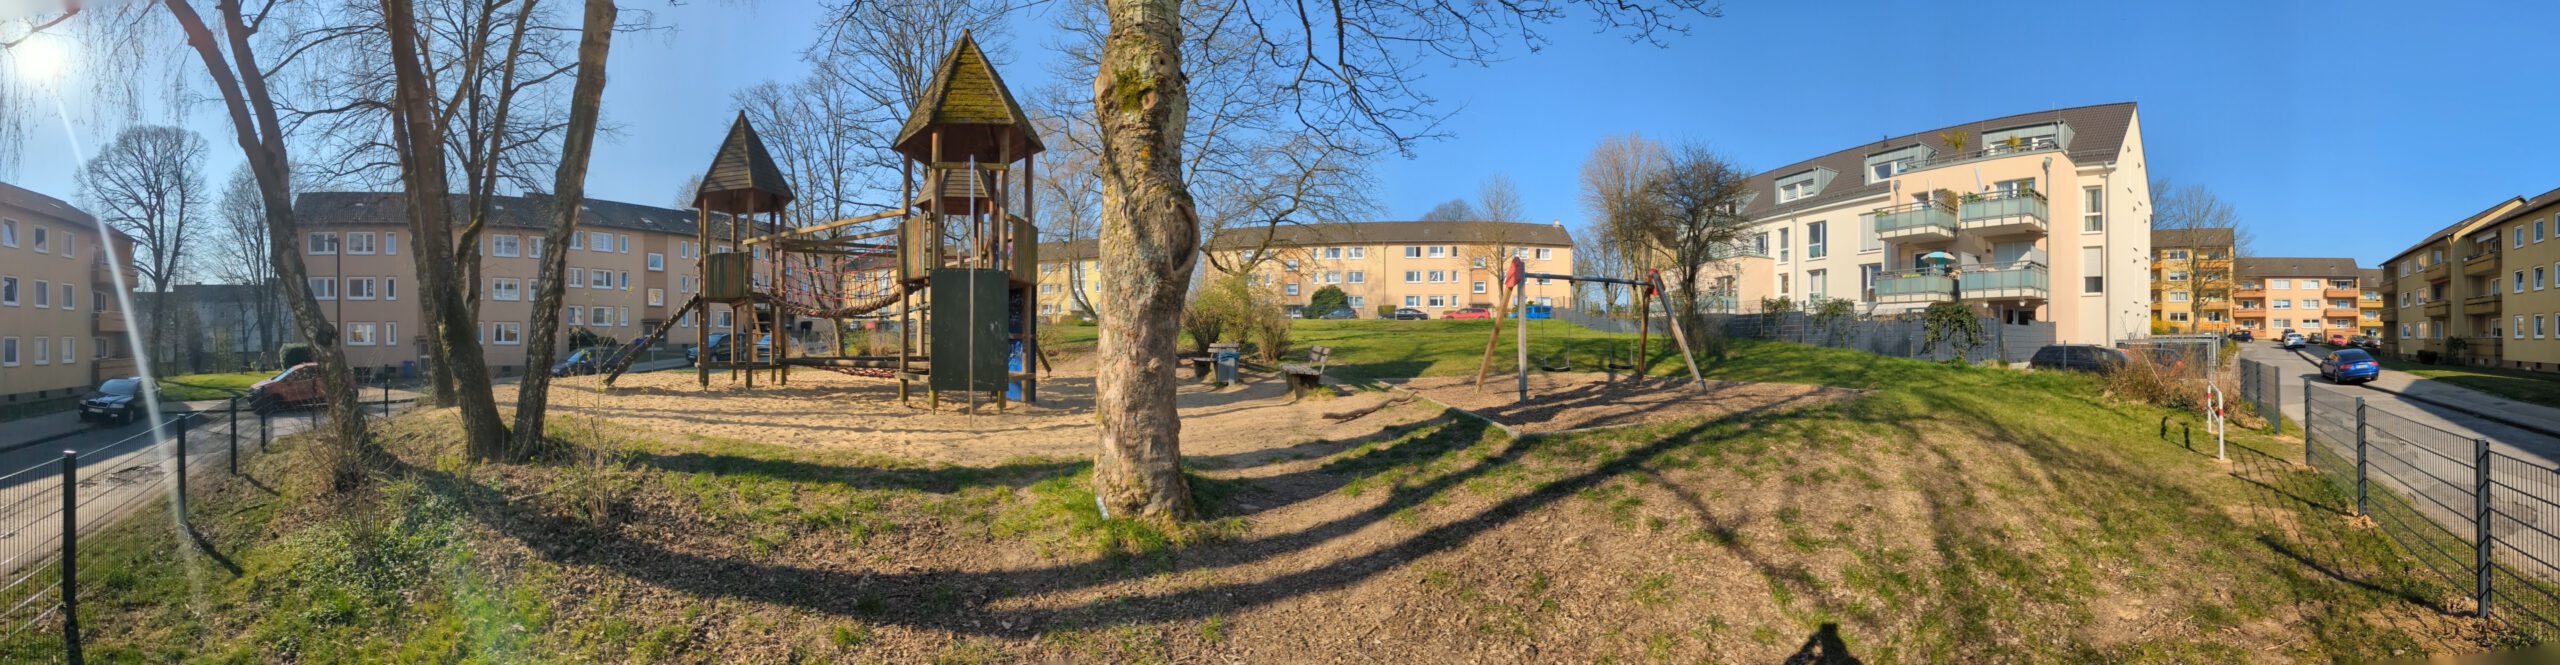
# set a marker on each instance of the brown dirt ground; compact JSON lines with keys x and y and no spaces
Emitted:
{"x":1585,"y":400}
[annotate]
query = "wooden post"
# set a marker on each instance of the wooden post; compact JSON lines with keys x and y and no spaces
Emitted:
{"x":1681,"y":338}
{"x":1031,"y":292}
{"x":906,"y":203}
{"x":1644,"y":331}
{"x":701,"y":305}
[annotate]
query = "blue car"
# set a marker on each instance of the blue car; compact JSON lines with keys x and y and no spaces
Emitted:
{"x":2349,"y":366}
{"x":1535,"y":312}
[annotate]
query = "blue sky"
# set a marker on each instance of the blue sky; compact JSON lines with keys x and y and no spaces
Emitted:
{"x":2337,"y":129}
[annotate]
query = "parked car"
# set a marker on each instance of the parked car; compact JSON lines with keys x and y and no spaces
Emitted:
{"x":1409,"y":314}
{"x":296,"y":386}
{"x":2349,"y":366}
{"x":117,"y":401}
{"x":581,"y":362}
{"x":2338,"y":341}
{"x":718,"y":343}
{"x":2077,"y":358}
{"x":1535,"y":312}
{"x":2293,"y":341}
{"x":1469,"y":313}
{"x":2370,"y":343}
{"x":2241,"y":336}
{"x":1344,"y":314}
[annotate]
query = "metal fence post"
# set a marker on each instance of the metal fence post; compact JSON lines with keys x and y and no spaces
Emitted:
{"x":182,"y":469}
{"x":232,"y":438}
{"x":71,"y":555}
{"x":2481,"y":539}
{"x":2306,"y":422}
{"x":265,"y":424}
{"x":2360,"y":463}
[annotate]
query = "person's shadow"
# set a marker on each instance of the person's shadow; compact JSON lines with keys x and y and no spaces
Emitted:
{"x":1824,"y":648}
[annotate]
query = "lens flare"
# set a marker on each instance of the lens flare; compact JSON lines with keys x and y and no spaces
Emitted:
{"x":40,"y":58}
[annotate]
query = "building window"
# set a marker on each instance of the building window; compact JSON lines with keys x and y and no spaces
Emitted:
{"x":2177,"y":296}
{"x":390,"y":288}
{"x":2175,"y":255}
{"x":1439,"y":251}
{"x":506,"y":288}
{"x":360,"y":334}
{"x":2519,"y":237}
{"x":8,"y":233}
{"x":622,"y":243}
{"x":69,"y":301}
{"x":9,"y":291}
{"x":2537,"y":326}
{"x":2092,"y":266}
{"x":1437,"y":301}
{"x":1358,"y":302}
{"x":1817,"y":240}
{"x":2280,"y":303}
{"x":573,"y":315}
{"x":577,"y":241}
{"x":2177,"y":275}
{"x":8,"y":351}
{"x":1546,"y":253}
{"x":2537,"y":278}
{"x":324,"y":288}
{"x":1290,"y":288}
{"x":1479,"y":286}
{"x":43,"y":357}
{"x":1289,"y":265}
{"x":658,"y":297}
{"x":2519,"y":288}
{"x":625,"y":277}
{"x":720,"y":318}
{"x":508,"y":333}
{"x":657,"y":262}
{"x":1358,"y":277}
{"x":44,"y":294}
{"x":359,"y":288}
{"x":1332,"y":277}
{"x":1413,"y":251}
{"x":2093,"y":209}
{"x":70,"y":354}
{"x":321,"y":244}
{"x":600,"y":241}
{"x":1816,"y":284}
{"x":577,"y":278}
{"x":2519,"y":329}
{"x":599,"y":279}
{"x":1782,"y":245}
{"x":506,"y":245}
{"x":359,"y":243}
{"x":44,"y":237}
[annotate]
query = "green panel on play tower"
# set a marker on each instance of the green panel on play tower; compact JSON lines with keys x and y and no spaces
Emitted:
{"x":968,"y":329}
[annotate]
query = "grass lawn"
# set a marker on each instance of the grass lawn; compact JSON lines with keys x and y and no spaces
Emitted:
{"x":1369,"y":349}
{"x":2518,"y":385}
{"x":193,"y":387}
{"x":1951,"y":515}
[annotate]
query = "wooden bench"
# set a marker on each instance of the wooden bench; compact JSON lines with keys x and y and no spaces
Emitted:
{"x":1305,"y":377}
{"x":1202,"y":367}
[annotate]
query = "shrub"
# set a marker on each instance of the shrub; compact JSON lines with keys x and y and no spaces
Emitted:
{"x":1385,"y":311}
{"x":2141,"y":380}
{"x":294,"y":354}
{"x":1327,"y":300}
{"x":2428,"y":356}
{"x":1951,"y":323}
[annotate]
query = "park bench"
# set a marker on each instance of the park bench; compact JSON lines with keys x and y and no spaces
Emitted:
{"x":1202,"y":367}
{"x":1304,"y":377}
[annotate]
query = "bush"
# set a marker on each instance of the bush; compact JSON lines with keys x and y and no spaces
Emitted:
{"x":2428,"y":356}
{"x":2141,"y":380}
{"x":1327,"y":300}
{"x":294,"y":354}
{"x":1385,"y":311}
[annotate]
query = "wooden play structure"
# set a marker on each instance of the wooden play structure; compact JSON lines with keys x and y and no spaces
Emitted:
{"x":953,"y":275}
{"x":1647,"y":291}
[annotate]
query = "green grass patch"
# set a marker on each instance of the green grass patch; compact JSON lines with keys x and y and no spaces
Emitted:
{"x":197,"y":387}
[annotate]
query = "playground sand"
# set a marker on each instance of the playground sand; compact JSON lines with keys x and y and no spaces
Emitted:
{"x":1235,"y":426}
{"x":1583,"y":400}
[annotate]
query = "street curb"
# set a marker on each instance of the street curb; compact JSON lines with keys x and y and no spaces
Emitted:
{"x":2468,"y":411}
{"x":22,"y":445}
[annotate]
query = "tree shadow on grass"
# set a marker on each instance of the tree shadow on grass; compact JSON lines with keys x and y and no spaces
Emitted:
{"x":989,"y":602}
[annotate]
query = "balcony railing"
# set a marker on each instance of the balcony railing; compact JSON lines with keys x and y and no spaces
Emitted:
{"x":1915,"y":221}
{"x":1914,"y":287}
{"x":2015,"y":280}
{"x":2022,"y":211}
{"x":1993,"y":151}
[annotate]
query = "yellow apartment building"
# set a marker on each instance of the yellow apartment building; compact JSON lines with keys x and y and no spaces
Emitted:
{"x":1066,"y":270}
{"x":2516,"y":309}
{"x":1435,"y":267}
{"x":62,"y":330}
{"x":2046,"y":215}
{"x":2191,"y":280}
{"x":629,"y":268}
{"x":2318,"y":297}
{"x":2441,"y":295}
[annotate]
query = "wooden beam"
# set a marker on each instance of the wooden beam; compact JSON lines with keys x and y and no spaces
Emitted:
{"x":838,"y":224}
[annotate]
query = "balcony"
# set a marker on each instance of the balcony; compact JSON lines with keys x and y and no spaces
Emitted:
{"x":108,"y":368}
{"x":2334,"y":314}
{"x":2370,"y":302}
{"x":1915,"y":287}
{"x":2000,"y":214}
{"x":2437,"y":309}
{"x":2438,"y":272}
{"x":2334,"y":292}
{"x":107,"y":322}
{"x":2480,"y":347}
{"x":2214,"y":304}
{"x":2017,"y":281}
{"x":2486,"y":303}
{"x":2251,"y":313}
{"x":2249,"y":292}
{"x":1916,"y":222}
{"x":2483,"y":263}
{"x":2004,"y":149}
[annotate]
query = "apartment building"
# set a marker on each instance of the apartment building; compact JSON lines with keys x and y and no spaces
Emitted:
{"x":61,"y":328}
{"x":2456,"y":266}
{"x":2317,"y":297}
{"x":2036,"y":217}
{"x":628,"y":270}
{"x":1435,"y":267}
{"x":2191,"y":280}
{"x":1066,"y":275}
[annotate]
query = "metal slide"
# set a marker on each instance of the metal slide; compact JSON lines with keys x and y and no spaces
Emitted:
{"x":621,"y":360}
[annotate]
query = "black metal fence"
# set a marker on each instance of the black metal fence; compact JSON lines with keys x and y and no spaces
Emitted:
{"x":2261,"y":387}
{"x":2481,"y":520}
{"x":1899,"y":336}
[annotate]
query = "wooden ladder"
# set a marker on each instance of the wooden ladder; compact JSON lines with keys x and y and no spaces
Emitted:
{"x":621,"y":360}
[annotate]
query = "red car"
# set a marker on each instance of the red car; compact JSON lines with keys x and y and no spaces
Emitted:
{"x":2338,"y":341}
{"x":1470,"y":313}
{"x":296,"y":386}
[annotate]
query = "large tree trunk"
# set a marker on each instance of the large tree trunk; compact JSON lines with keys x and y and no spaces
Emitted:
{"x":261,"y":139}
{"x":1149,"y":240}
{"x":423,"y":167}
{"x":569,"y":187}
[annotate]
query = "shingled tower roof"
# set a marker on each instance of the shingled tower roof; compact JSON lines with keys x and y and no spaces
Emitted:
{"x":742,"y":178}
{"x":978,"y":115}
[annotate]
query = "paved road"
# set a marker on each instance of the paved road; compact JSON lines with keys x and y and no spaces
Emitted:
{"x":2426,"y":449}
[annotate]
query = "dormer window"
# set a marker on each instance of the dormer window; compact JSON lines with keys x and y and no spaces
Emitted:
{"x":1794,"y":190}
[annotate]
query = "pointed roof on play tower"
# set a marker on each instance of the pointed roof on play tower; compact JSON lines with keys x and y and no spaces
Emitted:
{"x":743,"y":178}
{"x":973,"y":108}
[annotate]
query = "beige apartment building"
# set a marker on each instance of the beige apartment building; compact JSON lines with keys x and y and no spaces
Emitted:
{"x":628,"y":270}
{"x":62,"y":330}
{"x":2318,"y":297}
{"x":2191,"y":280}
{"x":1436,"y":267}
{"x":2442,"y":294}
{"x":2046,"y":216}
{"x":1066,"y":272}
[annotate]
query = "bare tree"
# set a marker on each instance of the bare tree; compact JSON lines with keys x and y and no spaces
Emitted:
{"x":241,"y":257}
{"x":149,"y":184}
{"x":1613,"y":193}
{"x":1698,"y":197}
{"x":1071,"y":211}
{"x":569,"y":189}
{"x":418,"y":142}
{"x":2199,"y":216}
{"x":1349,"y":69}
{"x":1453,"y":210}
{"x":688,"y":192}
{"x":869,"y":66}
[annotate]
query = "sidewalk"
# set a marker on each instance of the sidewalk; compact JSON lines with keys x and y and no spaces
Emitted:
{"x":2542,"y":419}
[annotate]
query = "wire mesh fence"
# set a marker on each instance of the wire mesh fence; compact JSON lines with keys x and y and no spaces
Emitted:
{"x":1896,"y":335}
{"x":2483,"y":521}
{"x":2261,"y":386}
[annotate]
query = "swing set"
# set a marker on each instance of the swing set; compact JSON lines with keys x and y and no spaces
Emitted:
{"x":1648,"y":290}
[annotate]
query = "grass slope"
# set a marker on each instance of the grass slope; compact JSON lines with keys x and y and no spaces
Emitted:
{"x":1952,"y":515}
